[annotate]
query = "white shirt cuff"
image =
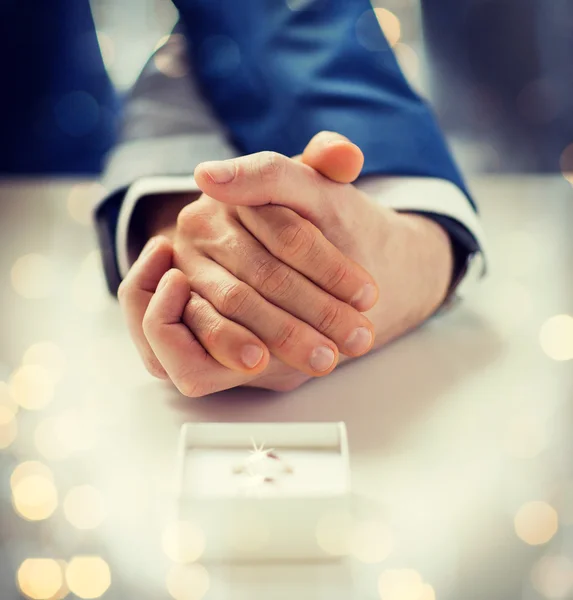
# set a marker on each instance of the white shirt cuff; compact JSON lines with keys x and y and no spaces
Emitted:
{"x":438,"y":196}
{"x":147,"y":186}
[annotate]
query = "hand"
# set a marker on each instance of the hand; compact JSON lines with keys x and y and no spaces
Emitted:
{"x":410,"y":256}
{"x":224,"y":338}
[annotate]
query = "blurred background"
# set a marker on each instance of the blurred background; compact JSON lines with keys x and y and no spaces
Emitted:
{"x":499,"y":74}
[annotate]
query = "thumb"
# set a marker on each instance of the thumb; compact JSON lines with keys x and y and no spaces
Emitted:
{"x":333,"y":156}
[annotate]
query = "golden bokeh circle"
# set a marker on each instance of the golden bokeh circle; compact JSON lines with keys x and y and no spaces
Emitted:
{"x":81,"y":199}
{"x":33,"y":276}
{"x":536,"y":522}
{"x":183,"y":541}
{"x":552,"y":576}
{"x":40,"y":578}
{"x":35,"y":497}
{"x":88,"y":576}
{"x":188,"y":582}
{"x":32,"y":387}
{"x":390,"y":25}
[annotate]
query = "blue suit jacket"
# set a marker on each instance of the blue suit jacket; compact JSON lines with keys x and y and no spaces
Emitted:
{"x":57,"y":107}
{"x":274,"y":76}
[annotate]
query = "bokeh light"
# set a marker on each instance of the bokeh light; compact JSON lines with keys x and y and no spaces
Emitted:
{"x":170,"y":58}
{"x":536,"y":522}
{"x":35,"y":497}
{"x":31,"y":467}
{"x":33,"y":276}
{"x":82,"y":198}
{"x":402,"y":584}
{"x":8,"y":427}
{"x":390,"y":25}
{"x":107,"y":48}
{"x":6,"y":399}
{"x":368,"y":28}
{"x":32,"y":387}
{"x":59,"y":437}
{"x":566,"y":163}
{"x":88,"y":576}
{"x":371,"y":542}
{"x":556,"y":337}
{"x":552,"y":576}
{"x":84,"y":507}
{"x":334,"y":533}
{"x":183,"y":541}
{"x":47,"y":355}
{"x":188,"y":582}
{"x":408,"y":60}
{"x":89,"y":292}
{"x":40,"y":578}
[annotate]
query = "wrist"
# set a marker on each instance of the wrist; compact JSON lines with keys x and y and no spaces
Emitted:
{"x":416,"y":270}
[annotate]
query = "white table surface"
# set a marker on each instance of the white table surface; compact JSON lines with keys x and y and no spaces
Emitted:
{"x":439,"y":422}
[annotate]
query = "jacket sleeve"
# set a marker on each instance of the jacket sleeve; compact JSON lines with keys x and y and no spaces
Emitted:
{"x":269,"y":76}
{"x":168,"y":128}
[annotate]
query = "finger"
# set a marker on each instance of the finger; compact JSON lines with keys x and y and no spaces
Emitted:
{"x":295,"y":343}
{"x":271,"y":178}
{"x":136,"y":291}
{"x":301,"y":245}
{"x":284,"y":287}
{"x":334,"y":156}
{"x":188,"y":364}
{"x":228,"y":343}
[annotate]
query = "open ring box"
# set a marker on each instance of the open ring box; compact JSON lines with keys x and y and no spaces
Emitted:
{"x":259,"y":491}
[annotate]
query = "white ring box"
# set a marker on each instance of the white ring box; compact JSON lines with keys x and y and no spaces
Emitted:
{"x":254,"y":504}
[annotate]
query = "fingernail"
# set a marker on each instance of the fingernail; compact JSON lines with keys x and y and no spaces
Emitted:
{"x":365,"y":298}
{"x":163,"y":281}
{"x":331,"y":137}
{"x":322,"y":358}
{"x":359,"y":341}
{"x":220,"y":171}
{"x":148,"y":247}
{"x":251,"y":355}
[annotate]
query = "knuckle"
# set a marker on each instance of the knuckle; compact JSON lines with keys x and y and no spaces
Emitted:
{"x":273,"y":278}
{"x":194,"y":223}
{"x":235,"y":299}
{"x":295,"y":240}
{"x":270,"y":166}
{"x":215,"y":334}
{"x":329,"y":316}
{"x":194,"y":309}
{"x":286,"y":336}
{"x":335,"y":275}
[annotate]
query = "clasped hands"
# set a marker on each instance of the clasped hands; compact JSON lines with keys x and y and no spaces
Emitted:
{"x":265,"y":278}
